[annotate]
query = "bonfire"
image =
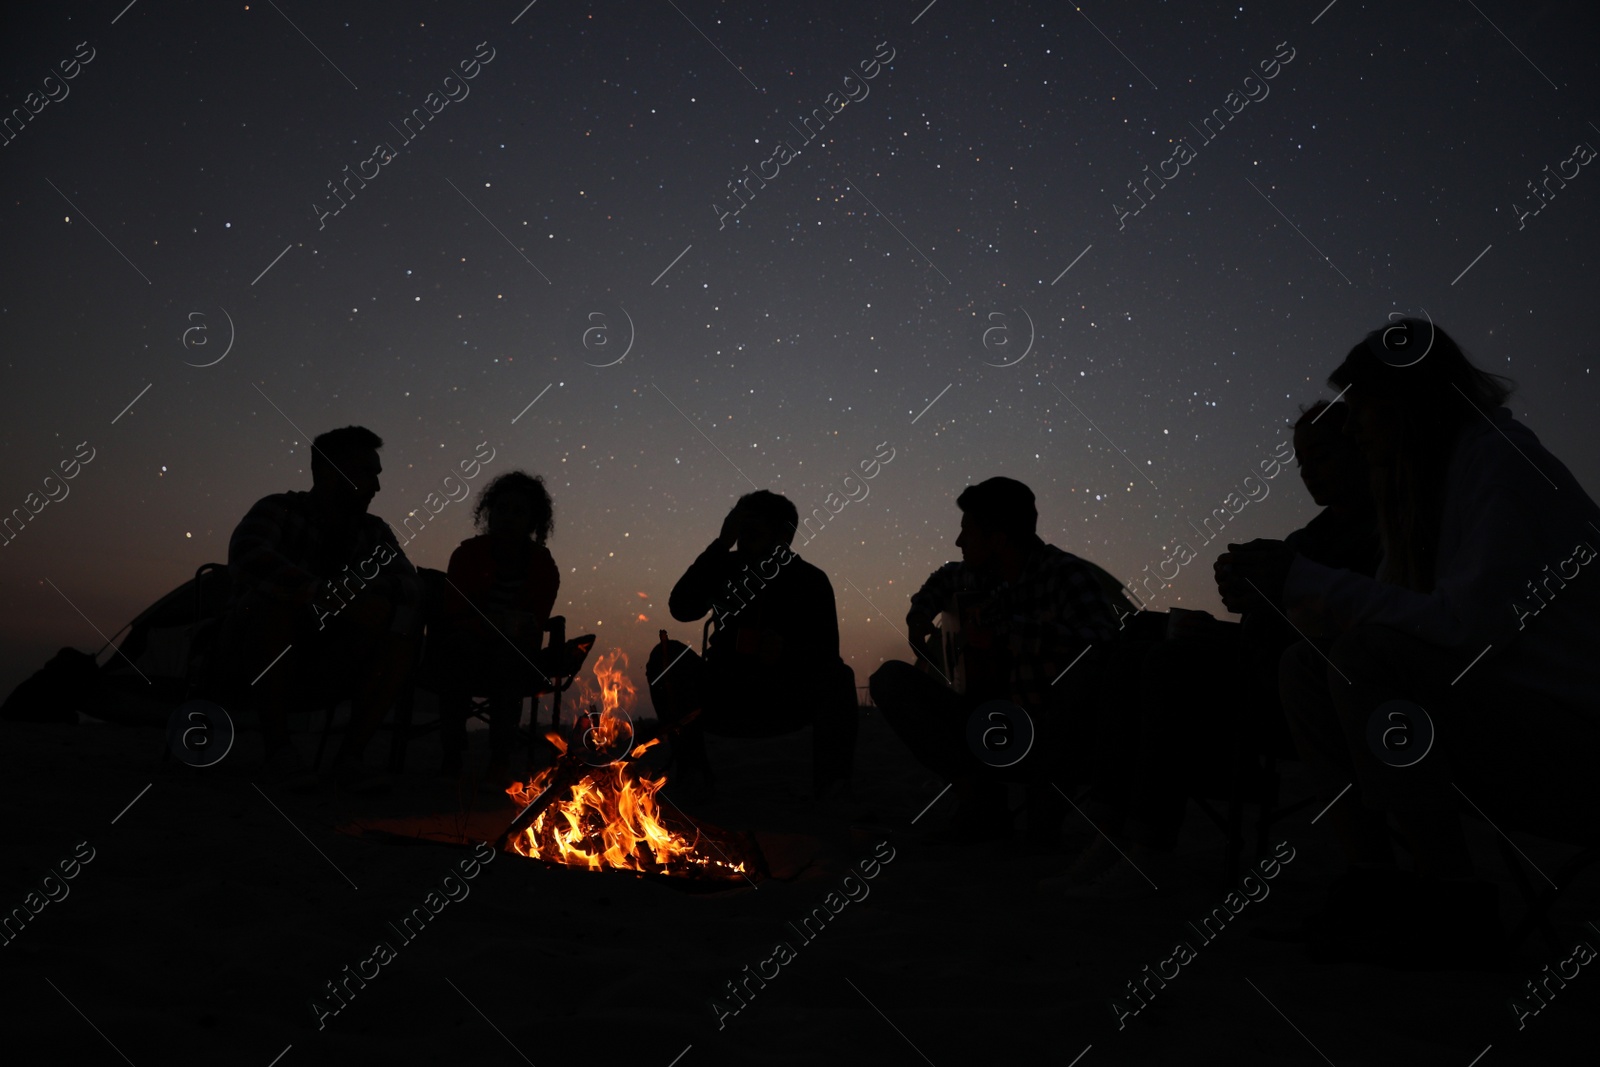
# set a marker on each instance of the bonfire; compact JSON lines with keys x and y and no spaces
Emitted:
{"x":596,"y":806}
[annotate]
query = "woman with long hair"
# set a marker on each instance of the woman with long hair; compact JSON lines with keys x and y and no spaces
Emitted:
{"x":1464,"y":675}
{"x":503,"y":585}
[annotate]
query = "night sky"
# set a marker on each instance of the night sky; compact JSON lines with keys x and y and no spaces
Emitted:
{"x":953,"y":269}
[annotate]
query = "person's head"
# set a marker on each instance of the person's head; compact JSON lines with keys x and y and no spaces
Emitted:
{"x":1411,"y":392}
{"x":345,"y":467}
{"x":998,"y":517}
{"x":515,"y":505}
{"x":1332,"y":467}
{"x":767,"y":519}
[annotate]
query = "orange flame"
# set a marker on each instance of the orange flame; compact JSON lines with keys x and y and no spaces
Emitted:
{"x":610,"y":818}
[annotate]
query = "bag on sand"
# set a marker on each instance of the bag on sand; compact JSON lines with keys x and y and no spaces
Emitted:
{"x":56,"y":691}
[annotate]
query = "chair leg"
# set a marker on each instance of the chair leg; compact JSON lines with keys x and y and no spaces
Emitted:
{"x":1537,"y":902}
{"x":1236,"y":801}
{"x":400,"y":736}
{"x":1230,"y":863}
{"x":327,"y":728}
{"x":1265,"y":819}
{"x":1269,"y":813}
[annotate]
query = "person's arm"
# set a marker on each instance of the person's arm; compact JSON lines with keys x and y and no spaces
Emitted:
{"x":464,"y":583}
{"x":1071,"y":613}
{"x":695,"y":592}
{"x":256,"y":559}
{"x":1507,"y":536}
{"x":932,"y":598}
{"x":388,"y":548}
{"x":544,"y":582}
{"x":397,"y":578}
{"x":818,"y":639}
{"x":1264,"y":621}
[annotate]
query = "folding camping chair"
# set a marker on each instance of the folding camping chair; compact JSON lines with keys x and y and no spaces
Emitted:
{"x":213,"y":588}
{"x":1249,"y":776}
{"x":557,"y":663}
{"x":1252,"y":780}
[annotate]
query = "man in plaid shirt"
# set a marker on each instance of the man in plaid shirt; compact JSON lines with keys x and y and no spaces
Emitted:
{"x":325,"y":586}
{"x":1032,"y":618}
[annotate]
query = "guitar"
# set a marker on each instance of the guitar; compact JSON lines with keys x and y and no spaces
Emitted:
{"x":966,"y":657}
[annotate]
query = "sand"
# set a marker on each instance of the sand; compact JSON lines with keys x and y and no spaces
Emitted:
{"x":212,"y":913}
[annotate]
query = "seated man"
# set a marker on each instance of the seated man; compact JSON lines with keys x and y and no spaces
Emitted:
{"x":1476,"y":641}
{"x":772,"y":665}
{"x":1210,"y":684}
{"x":324,"y":601}
{"x":1032,"y":619}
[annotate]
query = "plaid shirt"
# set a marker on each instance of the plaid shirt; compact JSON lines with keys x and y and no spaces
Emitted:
{"x":282,"y":550}
{"x":1053,"y":611}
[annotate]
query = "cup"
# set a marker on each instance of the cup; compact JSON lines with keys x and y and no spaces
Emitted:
{"x":1182,"y":621}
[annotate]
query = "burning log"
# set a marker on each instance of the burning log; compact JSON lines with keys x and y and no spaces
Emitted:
{"x":571,"y":769}
{"x":603,"y":814}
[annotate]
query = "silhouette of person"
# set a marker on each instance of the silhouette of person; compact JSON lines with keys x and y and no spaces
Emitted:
{"x":1032,"y":619}
{"x":772,"y":664}
{"x":1479,"y":630}
{"x":1208,"y":691}
{"x":502,"y":587}
{"x":323,"y":600}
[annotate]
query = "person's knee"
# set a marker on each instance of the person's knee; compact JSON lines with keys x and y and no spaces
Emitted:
{"x":252,"y":634}
{"x":1303,"y":675}
{"x":362,"y":645}
{"x":889,"y":679}
{"x":367,"y":616}
{"x":434,"y":590}
{"x":1368,"y":659}
{"x":1354,"y":648}
{"x":846,"y":675}
{"x":1376,"y":653}
{"x":261,"y":620}
{"x":1301,"y":666}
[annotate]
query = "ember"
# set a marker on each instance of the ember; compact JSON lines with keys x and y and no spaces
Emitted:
{"x":596,"y":808}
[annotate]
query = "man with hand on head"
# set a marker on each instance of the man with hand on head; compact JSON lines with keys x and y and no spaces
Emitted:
{"x":772,"y":665}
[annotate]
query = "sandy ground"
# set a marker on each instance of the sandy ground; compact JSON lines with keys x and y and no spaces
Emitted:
{"x":211,"y":913}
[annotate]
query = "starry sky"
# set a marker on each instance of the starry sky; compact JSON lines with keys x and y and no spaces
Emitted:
{"x":949,"y":262}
